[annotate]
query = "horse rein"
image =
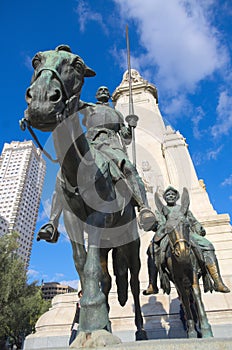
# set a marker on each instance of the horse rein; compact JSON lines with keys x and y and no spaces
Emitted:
{"x":173,"y":245}
{"x":24,"y":123}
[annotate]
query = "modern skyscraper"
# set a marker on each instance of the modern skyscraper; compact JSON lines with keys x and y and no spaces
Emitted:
{"x":3,"y":226}
{"x":22,"y":171}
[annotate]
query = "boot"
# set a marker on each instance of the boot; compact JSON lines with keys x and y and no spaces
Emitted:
{"x":153,"y":274}
{"x":151,"y":290}
{"x":219,"y":286}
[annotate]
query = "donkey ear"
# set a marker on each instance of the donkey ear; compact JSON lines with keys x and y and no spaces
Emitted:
{"x":158,"y":203}
{"x":185,"y":201}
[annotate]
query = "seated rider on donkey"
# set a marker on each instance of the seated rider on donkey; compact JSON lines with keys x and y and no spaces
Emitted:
{"x":159,"y":245}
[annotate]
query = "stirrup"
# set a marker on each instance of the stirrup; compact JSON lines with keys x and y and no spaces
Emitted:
{"x":147,"y":219}
{"x":49,"y":233}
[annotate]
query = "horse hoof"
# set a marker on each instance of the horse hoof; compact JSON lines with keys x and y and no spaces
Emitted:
{"x":141,"y":335}
{"x":192,"y":334}
{"x":206,"y":333}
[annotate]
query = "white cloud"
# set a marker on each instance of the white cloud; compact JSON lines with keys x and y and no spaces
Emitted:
{"x":27,"y":62}
{"x":179,"y":39}
{"x":72,"y":283}
{"x":213,"y":154}
{"x":85,"y":14}
{"x":224,"y":112}
{"x":197,"y":131}
{"x":31,"y":273}
{"x":176,"y":106}
{"x":45,"y":212}
{"x":227,"y":181}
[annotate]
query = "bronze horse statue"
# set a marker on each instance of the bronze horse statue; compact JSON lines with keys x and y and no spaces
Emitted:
{"x":180,"y":264}
{"x":93,"y":202}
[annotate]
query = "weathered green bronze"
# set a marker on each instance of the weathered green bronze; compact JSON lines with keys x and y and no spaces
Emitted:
{"x":97,"y":185}
{"x":180,"y":253}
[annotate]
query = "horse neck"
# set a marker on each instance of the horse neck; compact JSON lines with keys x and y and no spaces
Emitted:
{"x":71,"y":146}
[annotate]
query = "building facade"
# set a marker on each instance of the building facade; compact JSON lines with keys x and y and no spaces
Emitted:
{"x":3,"y":226}
{"x":22,"y":171}
{"x":51,"y":289}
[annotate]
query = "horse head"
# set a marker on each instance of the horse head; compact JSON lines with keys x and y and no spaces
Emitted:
{"x":177,"y":226}
{"x":55,"y":87}
{"x":178,"y":229}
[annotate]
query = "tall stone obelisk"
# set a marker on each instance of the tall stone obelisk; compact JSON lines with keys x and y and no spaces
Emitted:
{"x":163,"y":159}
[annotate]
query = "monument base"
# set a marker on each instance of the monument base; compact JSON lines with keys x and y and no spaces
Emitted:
{"x":164,"y":344}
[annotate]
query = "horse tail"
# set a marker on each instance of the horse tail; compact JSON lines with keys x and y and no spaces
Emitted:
{"x":120,"y":267}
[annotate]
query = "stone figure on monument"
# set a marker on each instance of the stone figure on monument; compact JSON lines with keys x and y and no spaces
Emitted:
{"x":148,"y":176}
{"x":202,"y":247}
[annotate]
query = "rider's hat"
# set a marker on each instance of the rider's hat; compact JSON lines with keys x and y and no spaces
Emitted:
{"x":170,"y":188}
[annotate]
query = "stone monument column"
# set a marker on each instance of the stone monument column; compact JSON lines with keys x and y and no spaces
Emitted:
{"x":163,"y":159}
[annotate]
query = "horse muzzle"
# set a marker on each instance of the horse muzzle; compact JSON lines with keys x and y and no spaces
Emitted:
{"x":182,"y":250}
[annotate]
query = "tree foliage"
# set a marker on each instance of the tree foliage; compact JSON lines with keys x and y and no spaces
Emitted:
{"x":21,"y":303}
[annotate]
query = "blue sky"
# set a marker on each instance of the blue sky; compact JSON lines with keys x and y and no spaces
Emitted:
{"x":183,"y":47}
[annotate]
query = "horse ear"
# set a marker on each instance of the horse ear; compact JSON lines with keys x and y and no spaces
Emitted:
{"x":158,"y":203}
{"x":185,"y":201}
{"x":63,"y":48}
{"x":89,"y":72}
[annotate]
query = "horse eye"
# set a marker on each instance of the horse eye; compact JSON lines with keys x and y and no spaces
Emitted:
{"x":35,"y":62}
{"x":78,"y":66}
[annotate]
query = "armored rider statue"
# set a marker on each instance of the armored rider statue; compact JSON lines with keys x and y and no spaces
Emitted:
{"x":106,"y":132}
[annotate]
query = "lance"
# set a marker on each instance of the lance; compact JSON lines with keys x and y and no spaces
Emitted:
{"x":131,"y":119}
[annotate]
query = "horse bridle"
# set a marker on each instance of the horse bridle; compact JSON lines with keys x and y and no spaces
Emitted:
{"x":173,"y":245}
{"x":24,"y":122}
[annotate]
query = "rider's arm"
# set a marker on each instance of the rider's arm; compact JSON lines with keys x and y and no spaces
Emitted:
{"x":125,"y":132}
{"x":195,"y":225}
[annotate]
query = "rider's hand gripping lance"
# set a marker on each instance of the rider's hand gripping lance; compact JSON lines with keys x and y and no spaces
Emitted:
{"x":131,"y":119}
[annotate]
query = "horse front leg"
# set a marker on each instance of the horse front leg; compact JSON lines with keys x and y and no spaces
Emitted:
{"x":135,"y":289}
{"x":79,"y":258}
{"x":93,"y":313}
{"x":75,"y":230}
{"x":106,"y":280}
{"x":185,"y":297}
{"x":205,"y":327}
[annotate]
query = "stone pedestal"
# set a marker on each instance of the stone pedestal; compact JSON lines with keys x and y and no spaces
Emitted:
{"x":53,"y":328}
